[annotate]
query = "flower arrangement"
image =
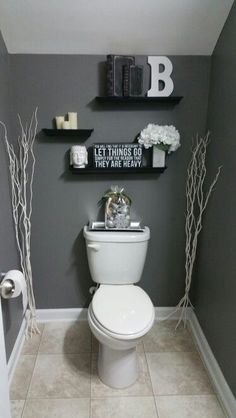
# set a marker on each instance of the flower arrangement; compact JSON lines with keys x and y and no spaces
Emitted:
{"x":165,"y":137}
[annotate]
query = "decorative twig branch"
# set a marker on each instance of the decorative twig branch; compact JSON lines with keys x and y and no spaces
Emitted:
{"x":197,"y":200}
{"x":21,"y":168}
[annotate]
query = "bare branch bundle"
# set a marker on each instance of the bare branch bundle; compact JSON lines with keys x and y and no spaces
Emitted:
{"x":196,"y":202}
{"x":21,"y":167}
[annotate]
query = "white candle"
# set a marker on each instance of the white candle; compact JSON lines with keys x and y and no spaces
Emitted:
{"x":66,"y":124}
{"x":59,"y":122}
{"x":72,"y":116}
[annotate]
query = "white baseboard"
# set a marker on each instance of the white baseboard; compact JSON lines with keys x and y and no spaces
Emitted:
{"x":74,"y":314}
{"x":222,"y":388}
{"x":13,"y":359}
{"x":223,"y":391}
{"x":170,"y":313}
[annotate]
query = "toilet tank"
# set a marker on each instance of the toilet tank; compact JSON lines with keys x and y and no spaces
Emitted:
{"x":116,"y":257}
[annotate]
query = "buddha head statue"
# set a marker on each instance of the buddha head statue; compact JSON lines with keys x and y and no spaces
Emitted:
{"x":78,"y":156}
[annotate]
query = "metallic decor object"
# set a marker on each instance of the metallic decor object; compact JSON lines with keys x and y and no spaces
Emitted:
{"x":7,"y":288}
{"x":117,"y":213}
{"x":117,"y":208}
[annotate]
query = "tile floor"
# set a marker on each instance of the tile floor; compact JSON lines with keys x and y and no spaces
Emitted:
{"x":56,"y":377}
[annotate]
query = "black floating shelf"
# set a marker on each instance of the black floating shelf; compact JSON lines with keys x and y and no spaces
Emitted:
{"x":122,"y":99}
{"x":78,"y":133}
{"x":142,"y":170}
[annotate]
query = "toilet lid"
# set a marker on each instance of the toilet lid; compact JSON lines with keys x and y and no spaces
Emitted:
{"x":122,"y":309}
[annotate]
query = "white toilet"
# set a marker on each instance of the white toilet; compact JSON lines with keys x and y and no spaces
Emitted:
{"x":120,"y":313}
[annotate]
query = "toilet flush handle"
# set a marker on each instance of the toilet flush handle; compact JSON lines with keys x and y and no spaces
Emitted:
{"x":95,"y":247}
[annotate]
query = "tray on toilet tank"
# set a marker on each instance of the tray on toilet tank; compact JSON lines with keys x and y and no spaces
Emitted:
{"x":135,"y":226}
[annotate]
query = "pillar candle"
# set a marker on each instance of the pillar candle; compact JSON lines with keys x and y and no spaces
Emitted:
{"x":72,"y":116}
{"x":66,"y":125}
{"x":59,"y":122}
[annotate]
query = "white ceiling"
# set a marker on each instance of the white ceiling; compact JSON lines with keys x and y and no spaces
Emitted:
{"x":146,"y":27}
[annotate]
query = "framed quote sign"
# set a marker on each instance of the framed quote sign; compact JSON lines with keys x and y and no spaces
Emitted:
{"x":117,"y":155}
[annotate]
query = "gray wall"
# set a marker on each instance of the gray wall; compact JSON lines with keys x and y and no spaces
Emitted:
{"x":63,"y":203}
{"x":12,"y":313}
{"x":216,"y":285}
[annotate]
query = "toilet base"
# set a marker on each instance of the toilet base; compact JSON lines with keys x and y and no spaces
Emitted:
{"x":117,"y":368}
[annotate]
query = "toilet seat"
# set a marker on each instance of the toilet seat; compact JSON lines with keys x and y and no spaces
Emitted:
{"x":122,"y":311}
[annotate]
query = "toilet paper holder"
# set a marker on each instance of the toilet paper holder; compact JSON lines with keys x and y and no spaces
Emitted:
{"x":7,"y":288}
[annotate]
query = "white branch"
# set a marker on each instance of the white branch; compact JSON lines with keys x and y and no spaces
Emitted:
{"x":196,"y":203}
{"x":21,"y":168}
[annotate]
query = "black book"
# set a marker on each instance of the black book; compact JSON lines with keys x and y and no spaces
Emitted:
{"x":135,"y":80}
{"x":115,"y":64}
{"x":110,"y":78}
{"x":126,"y":80}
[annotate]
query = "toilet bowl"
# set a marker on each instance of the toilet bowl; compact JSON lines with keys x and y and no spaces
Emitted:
{"x":119,"y":316}
{"x":120,"y":312}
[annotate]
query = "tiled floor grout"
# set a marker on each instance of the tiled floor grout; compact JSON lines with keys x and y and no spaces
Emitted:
{"x":185,"y":395}
{"x":36,"y":355}
{"x":23,"y":408}
{"x":91,"y":364}
{"x":41,"y":339}
{"x":151,"y":382}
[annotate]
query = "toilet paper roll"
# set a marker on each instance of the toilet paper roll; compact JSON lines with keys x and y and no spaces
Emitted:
{"x":20,"y":285}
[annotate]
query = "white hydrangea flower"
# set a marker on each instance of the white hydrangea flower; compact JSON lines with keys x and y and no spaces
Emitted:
{"x":166,"y":137}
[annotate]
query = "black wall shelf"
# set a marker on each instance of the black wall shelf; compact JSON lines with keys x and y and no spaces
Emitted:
{"x":80,"y":134}
{"x":125,"y":100}
{"x":141,"y":170}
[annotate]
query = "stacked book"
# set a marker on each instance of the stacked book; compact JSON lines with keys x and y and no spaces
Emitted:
{"x":124,"y":78}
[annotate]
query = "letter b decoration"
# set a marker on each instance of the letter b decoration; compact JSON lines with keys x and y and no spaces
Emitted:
{"x":161,"y":83}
